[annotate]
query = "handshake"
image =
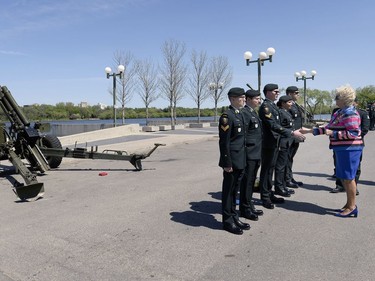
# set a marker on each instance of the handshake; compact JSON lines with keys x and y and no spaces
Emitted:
{"x":304,"y":131}
{"x":299,"y":134}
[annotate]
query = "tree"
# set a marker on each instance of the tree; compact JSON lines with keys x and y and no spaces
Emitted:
{"x":220,"y":78}
{"x":198,"y":80}
{"x":126,"y":81}
{"x":317,"y":99}
{"x":173,"y":75}
{"x":147,"y":77}
{"x":365,"y":95}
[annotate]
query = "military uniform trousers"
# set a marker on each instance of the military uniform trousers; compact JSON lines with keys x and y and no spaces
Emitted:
{"x":269,"y":157}
{"x":247,"y":184}
{"x":281,"y":168}
{"x":229,"y":192}
{"x":292,"y":152}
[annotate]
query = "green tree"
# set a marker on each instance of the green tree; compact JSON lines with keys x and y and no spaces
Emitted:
{"x":365,"y":95}
{"x":316,"y":100}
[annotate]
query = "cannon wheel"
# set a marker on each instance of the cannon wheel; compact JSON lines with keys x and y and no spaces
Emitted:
{"x":52,"y":142}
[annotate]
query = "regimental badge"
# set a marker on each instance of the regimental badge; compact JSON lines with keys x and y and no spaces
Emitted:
{"x":236,"y":111}
{"x":266,"y":109}
{"x":224,"y":120}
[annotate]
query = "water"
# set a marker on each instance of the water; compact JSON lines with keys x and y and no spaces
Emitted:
{"x":154,"y":121}
{"x":140,"y":121}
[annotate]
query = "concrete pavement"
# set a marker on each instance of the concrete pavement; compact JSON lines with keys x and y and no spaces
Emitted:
{"x":164,"y":222}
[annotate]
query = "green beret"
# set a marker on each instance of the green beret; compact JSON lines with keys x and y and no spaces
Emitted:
{"x":292,"y":89}
{"x":236,"y":92}
{"x":270,"y":87}
{"x":285,"y":98}
{"x":252,"y":93}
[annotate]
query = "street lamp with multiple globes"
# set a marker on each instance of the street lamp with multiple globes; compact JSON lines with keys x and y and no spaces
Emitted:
{"x":215,"y":87}
{"x":302,"y":76}
{"x":263,"y":56}
{"x":120,"y":70}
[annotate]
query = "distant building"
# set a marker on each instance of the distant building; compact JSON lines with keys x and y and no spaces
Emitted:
{"x":102,"y":105}
{"x":83,"y":104}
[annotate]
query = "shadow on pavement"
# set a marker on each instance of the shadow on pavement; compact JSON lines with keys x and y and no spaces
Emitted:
{"x":202,"y":213}
{"x":312,"y":174}
{"x":370,"y":183}
{"x":306,"y":207}
{"x":316,"y":187}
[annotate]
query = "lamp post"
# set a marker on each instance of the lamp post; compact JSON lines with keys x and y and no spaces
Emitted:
{"x":302,"y":76}
{"x":263,"y":56}
{"x":120,"y":70}
{"x":215,"y":87}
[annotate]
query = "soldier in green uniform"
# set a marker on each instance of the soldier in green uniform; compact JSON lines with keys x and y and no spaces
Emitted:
{"x":297,"y":114}
{"x":253,"y":155}
{"x":272,"y":129}
{"x":232,"y":158}
{"x":285,"y":144}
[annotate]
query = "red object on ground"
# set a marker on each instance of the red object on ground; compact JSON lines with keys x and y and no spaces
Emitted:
{"x":103,"y":174}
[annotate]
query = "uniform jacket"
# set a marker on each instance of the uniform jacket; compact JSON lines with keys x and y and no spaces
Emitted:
{"x":232,"y":139}
{"x":365,"y":121}
{"x":286,"y":121}
{"x":272,"y":129}
{"x":253,"y":126}
{"x":296,"y":113}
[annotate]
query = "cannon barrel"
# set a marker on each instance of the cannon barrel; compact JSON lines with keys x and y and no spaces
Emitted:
{"x":12,"y":110}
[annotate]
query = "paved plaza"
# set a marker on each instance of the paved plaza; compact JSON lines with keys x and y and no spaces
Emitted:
{"x":164,"y":222}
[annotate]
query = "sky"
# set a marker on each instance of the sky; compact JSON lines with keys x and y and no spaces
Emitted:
{"x":56,"y":51}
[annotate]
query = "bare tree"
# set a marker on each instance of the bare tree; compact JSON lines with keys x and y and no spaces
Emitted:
{"x":147,"y":76}
{"x":220,"y":78}
{"x":198,"y":80}
{"x":173,"y":73}
{"x":126,"y":81}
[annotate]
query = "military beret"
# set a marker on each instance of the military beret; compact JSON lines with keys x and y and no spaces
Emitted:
{"x":252,"y":93}
{"x":270,"y":87}
{"x":292,"y":89}
{"x":236,"y":92}
{"x":285,"y":98}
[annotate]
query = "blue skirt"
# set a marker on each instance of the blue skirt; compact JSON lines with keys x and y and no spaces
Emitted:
{"x":347,"y":162}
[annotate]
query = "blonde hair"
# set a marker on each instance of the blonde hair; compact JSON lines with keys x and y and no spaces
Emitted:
{"x":346,"y":94}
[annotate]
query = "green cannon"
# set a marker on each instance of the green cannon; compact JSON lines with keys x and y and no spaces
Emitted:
{"x":41,"y":152}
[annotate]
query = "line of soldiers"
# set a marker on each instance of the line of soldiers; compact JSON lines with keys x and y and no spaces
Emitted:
{"x":247,"y":141}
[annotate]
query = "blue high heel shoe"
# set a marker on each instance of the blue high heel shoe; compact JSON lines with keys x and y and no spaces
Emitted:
{"x":353,"y":213}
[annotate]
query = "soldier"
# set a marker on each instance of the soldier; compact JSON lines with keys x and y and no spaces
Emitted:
{"x":282,"y":162}
{"x":269,"y":114}
{"x":297,"y":112}
{"x":372,"y":116}
{"x":253,"y":155}
{"x":232,"y":158}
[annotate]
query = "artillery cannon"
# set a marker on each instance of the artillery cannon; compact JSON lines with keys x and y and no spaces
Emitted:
{"x":41,"y":151}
